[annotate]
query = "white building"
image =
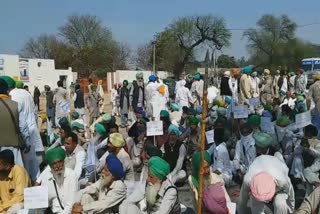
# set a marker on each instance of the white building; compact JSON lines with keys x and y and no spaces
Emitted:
{"x":35,"y":72}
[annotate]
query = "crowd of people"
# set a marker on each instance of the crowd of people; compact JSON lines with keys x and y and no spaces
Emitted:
{"x":108,"y":163}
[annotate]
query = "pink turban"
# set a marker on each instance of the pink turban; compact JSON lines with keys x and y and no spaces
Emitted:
{"x":214,"y":199}
{"x":263,"y":187}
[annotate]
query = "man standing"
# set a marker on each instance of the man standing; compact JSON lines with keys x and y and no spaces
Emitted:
{"x":9,"y":126}
{"x":13,"y":180}
{"x":137,"y":92}
{"x":197,"y":88}
{"x":78,"y":99}
{"x":50,"y":106}
{"x":300,"y":82}
{"x":245,"y":86}
{"x":114,"y":100}
{"x":276,"y":87}
{"x":267,"y":87}
{"x":36,"y":97}
{"x":105,"y":195}
{"x":183,"y":95}
{"x":60,"y":100}
{"x":124,"y":104}
{"x":255,"y":82}
{"x":61,"y":181}
{"x":314,"y":95}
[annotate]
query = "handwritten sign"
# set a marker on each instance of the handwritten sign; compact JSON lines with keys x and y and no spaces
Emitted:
{"x":36,"y":197}
{"x":240,"y":111}
{"x":65,"y":106}
{"x":303,"y":119}
{"x":154,"y":128}
{"x":210,"y":136}
{"x":254,"y":102}
{"x":266,"y":125}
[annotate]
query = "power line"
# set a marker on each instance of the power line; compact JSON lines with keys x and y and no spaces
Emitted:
{"x":299,"y":26}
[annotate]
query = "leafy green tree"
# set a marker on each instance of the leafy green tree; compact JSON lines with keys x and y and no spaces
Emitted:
{"x":225,"y":61}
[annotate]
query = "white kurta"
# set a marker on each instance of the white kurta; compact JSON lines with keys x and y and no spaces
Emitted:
{"x":154,"y":100}
{"x":183,"y":97}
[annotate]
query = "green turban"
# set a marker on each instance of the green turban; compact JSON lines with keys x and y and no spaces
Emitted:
{"x":197,"y":76}
{"x":283,"y":121}
{"x":196,"y":158}
{"x":192,"y":111}
{"x":268,"y":107}
{"x":76,"y":125}
{"x":263,"y":140}
{"x":139,"y":75}
{"x":194,"y":121}
{"x":75,"y":115}
{"x":254,"y":120}
{"x":11,"y":83}
{"x":144,"y":120}
{"x":175,"y":107}
{"x":55,"y":154}
{"x":107,"y":117}
{"x":125,"y":82}
{"x":100,"y":129}
{"x":19,"y":84}
{"x":158,"y":167}
{"x":164,"y":113}
{"x":64,"y":123}
{"x":153,"y":151}
{"x":174,"y":129}
{"x":300,"y":98}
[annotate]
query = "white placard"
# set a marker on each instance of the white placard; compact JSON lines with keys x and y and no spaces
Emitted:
{"x":266,"y":125}
{"x":154,"y":128}
{"x":65,"y":106}
{"x":210,"y":136}
{"x":254,"y":102}
{"x":36,"y":197}
{"x":303,"y":119}
{"x":232,"y":207}
{"x":240,"y":111}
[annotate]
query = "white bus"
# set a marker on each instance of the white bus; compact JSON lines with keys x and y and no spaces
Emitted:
{"x":310,"y":66}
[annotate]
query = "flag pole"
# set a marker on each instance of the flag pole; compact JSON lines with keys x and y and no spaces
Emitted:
{"x":203,"y":134}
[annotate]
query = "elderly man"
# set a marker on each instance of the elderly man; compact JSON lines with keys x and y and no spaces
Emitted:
{"x":245,"y":86}
{"x":61,"y":181}
{"x":13,"y":180}
{"x":267,"y":87}
{"x":105,"y":195}
{"x":75,"y":154}
{"x":161,"y":196}
{"x":276,"y":87}
{"x":152,"y":98}
{"x":137,"y":96}
{"x":267,"y":184}
{"x":28,"y":127}
{"x":183,"y":95}
{"x":255,"y":82}
{"x":197,"y":88}
{"x":60,"y":99}
{"x":314,"y":95}
{"x":300,"y":82}
{"x":115,"y":146}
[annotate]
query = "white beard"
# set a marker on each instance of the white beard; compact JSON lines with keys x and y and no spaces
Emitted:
{"x":152,"y":193}
{"x":206,"y":180}
{"x":105,"y":181}
{"x":59,"y":176}
{"x":140,"y":83}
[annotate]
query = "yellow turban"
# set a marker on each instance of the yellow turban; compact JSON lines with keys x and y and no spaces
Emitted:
{"x":117,"y":140}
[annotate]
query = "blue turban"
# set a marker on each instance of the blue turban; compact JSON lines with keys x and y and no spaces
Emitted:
{"x":246,"y":70}
{"x":199,"y":109}
{"x":197,"y":76}
{"x":228,"y":99}
{"x":174,"y":129}
{"x":152,"y":78}
{"x":175,"y":107}
{"x":115,"y":166}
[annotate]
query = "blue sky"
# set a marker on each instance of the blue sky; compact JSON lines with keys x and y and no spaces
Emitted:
{"x":136,"y":21}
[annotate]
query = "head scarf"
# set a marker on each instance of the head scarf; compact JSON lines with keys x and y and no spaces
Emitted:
{"x":162,"y":90}
{"x":164,"y":113}
{"x":227,"y":73}
{"x":139,"y":75}
{"x":158,"y":167}
{"x":174,"y":129}
{"x":192,"y":111}
{"x":199,"y":109}
{"x":194,"y":121}
{"x":76,"y":125}
{"x":152,"y":78}
{"x":283,"y":121}
{"x":144,"y":120}
{"x":55,"y":154}
{"x":262,"y":187}
{"x":100,"y":129}
{"x":11,"y":83}
{"x":139,"y":110}
{"x":268,"y":107}
{"x":266,"y":71}
{"x":234,"y":71}
{"x":100,"y":82}
{"x":77,"y":86}
{"x":182,"y":83}
{"x":175,"y":107}
{"x":246,"y":70}
{"x":107,"y":118}
{"x":254,"y":74}
{"x":254,"y":120}
{"x":43,"y":117}
{"x":263,"y":140}
{"x":228,"y":99}
{"x":197,"y":76}
{"x":117,"y":140}
{"x":299,"y":71}
{"x":222,"y":111}
{"x":64,"y":122}
{"x":153,"y":151}
{"x":19,"y":84}
{"x":196,"y":158}
{"x":75,"y":115}
{"x":316,"y":76}
{"x":214,"y":199}
{"x":291,"y":73}
{"x":115,"y":166}
{"x":125,"y":82}
{"x":300,"y":98}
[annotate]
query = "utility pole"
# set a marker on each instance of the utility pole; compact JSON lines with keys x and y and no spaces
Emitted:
{"x":154,"y":55}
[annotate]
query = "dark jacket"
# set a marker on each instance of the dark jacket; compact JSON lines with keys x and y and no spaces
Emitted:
{"x":224,"y":86}
{"x":36,"y":95}
{"x":135,"y":94}
{"x":79,"y":102}
{"x":124,"y":92}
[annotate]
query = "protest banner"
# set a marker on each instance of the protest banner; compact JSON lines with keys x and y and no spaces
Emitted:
{"x":154,"y":128}
{"x":210,"y":136}
{"x":36,"y":197}
{"x":303,"y":119}
{"x":240,"y":111}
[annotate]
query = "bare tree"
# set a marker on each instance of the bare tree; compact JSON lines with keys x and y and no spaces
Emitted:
{"x":143,"y":56}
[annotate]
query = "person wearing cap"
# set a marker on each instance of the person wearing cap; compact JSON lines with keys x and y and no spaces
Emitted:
{"x":105,"y":195}
{"x":245,"y":152}
{"x":50,"y":108}
{"x":254,"y":120}
{"x":192,"y":135}
{"x":197,"y":89}
{"x":183,"y":95}
{"x":160,"y":195}
{"x":78,"y":99}
{"x":64,"y":131}
{"x":245,"y":86}
{"x":300,"y":82}
{"x":175,"y":153}
{"x":151,"y":95}
{"x":148,"y":152}
{"x":136,"y":139}
{"x":314,"y":95}
{"x":266,"y":184}
{"x":115,"y":146}
{"x":28,"y":127}
{"x":175,"y":114}
{"x":289,"y":100}
{"x":137,"y":96}
{"x":263,"y":142}
{"x":255,"y":82}
{"x":13,"y":180}
{"x":61,"y":181}
{"x":266,"y":85}
{"x":93,"y":104}
{"x":224,"y":85}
